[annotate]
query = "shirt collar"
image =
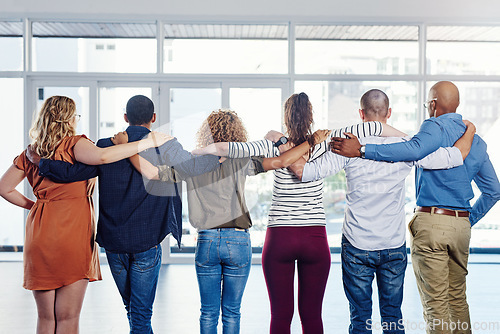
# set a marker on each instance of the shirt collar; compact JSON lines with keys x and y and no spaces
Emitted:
{"x":451,"y":115}
{"x":136,"y":132}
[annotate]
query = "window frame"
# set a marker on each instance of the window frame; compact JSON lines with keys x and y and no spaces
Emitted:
{"x":162,"y":81}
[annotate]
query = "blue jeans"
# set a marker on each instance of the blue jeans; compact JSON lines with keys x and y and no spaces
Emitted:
{"x":358,"y":270}
{"x":223,"y":261}
{"x":136,"y":276}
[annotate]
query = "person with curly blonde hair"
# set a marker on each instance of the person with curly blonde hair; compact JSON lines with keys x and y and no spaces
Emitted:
{"x":60,"y":253}
{"x":217,"y":209}
{"x":221,"y":126}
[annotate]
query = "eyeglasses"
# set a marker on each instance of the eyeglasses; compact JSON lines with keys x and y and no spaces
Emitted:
{"x":77,"y":117}
{"x":426,"y":103}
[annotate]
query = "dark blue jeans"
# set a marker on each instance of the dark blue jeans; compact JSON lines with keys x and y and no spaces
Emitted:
{"x":136,"y":276}
{"x":358,"y":270}
{"x":223,"y":260}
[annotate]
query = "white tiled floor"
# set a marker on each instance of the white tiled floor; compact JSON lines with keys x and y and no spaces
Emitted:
{"x":176,"y":308}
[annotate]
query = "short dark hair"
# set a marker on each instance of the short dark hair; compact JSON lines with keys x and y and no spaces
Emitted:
{"x":140,"y":110}
{"x":375,"y":102}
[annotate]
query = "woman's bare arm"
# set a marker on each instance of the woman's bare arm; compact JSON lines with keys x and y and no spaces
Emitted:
{"x":146,"y":168}
{"x":90,"y":154}
{"x":8,"y":183}
{"x":298,"y":167}
{"x":219,"y":149}
{"x":287,"y":158}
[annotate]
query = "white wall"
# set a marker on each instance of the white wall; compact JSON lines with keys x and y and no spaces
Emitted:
{"x":434,"y":11}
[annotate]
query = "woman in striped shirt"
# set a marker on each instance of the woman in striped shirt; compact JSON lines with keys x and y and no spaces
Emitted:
{"x":297,"y":225}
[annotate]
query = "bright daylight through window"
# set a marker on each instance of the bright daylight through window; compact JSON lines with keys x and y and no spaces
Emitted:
{"x":189,"y":69}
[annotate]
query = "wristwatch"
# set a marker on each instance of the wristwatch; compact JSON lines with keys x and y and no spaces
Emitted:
{"x":282,"y":140}
{"x":362,"y":151}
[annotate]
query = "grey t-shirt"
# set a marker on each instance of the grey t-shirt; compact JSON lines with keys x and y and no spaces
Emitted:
{"x":217,"y":199}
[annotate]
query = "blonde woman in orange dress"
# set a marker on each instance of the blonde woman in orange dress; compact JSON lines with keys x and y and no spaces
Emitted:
{"x":60,"y":254}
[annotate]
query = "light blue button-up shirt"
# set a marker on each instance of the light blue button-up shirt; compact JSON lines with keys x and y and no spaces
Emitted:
{"x":446,"y":188}
{"x":375,"y":215}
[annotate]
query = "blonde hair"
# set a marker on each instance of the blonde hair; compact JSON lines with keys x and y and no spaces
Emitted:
{"x":52,"y":124}
{"x":221,"y":126}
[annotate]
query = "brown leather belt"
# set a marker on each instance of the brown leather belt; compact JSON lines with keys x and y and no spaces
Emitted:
{"x":440,"y":211}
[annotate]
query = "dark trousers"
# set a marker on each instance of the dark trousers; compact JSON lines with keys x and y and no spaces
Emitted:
{"x":284,"y":246}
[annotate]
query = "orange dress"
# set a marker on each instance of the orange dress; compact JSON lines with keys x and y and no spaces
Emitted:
{"x":59,"y":246}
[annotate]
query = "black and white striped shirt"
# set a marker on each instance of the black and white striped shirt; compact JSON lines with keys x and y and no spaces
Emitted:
{"x":296,"y":203}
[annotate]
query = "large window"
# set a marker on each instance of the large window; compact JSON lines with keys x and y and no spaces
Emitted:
{"x":348,"y":49}
{"x":12,"y":139}
{"x":191,"y":68}
{"x":463,"y":50}
{"x":11,"y":44}
{"x":94,"y":47}
{"x":225,"y":48}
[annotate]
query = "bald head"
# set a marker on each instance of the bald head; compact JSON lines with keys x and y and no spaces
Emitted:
{"x":446,"y":98}
{"x":375,"y":104}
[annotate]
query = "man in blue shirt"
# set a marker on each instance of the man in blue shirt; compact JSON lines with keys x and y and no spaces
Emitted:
{"x":135,"y":215}
{"x":441,"y":226}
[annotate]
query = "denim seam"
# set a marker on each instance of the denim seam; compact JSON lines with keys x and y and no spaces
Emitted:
{"x":206,"y":255}
{"x":153,"y":264}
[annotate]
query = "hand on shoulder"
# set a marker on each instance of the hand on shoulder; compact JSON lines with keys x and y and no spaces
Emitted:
{"x":32,"y":156}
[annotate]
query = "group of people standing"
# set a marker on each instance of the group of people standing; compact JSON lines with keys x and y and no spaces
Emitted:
{"x":140,"y":204}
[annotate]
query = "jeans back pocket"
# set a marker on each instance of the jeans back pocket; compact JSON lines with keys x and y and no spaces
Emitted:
{"x":240,"y":252}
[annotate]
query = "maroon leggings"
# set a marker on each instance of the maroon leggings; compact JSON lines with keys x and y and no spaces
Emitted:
{"x":308,"y":246}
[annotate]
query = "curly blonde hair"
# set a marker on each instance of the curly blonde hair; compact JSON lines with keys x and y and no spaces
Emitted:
{"x":221,"y":126}
{"x":52,"y":124}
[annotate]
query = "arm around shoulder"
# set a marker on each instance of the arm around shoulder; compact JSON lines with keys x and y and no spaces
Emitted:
{"x":426,"y":141}
{"x":90,"y":154}
{"x":294,"y":154}
{"x":219,"y":149}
